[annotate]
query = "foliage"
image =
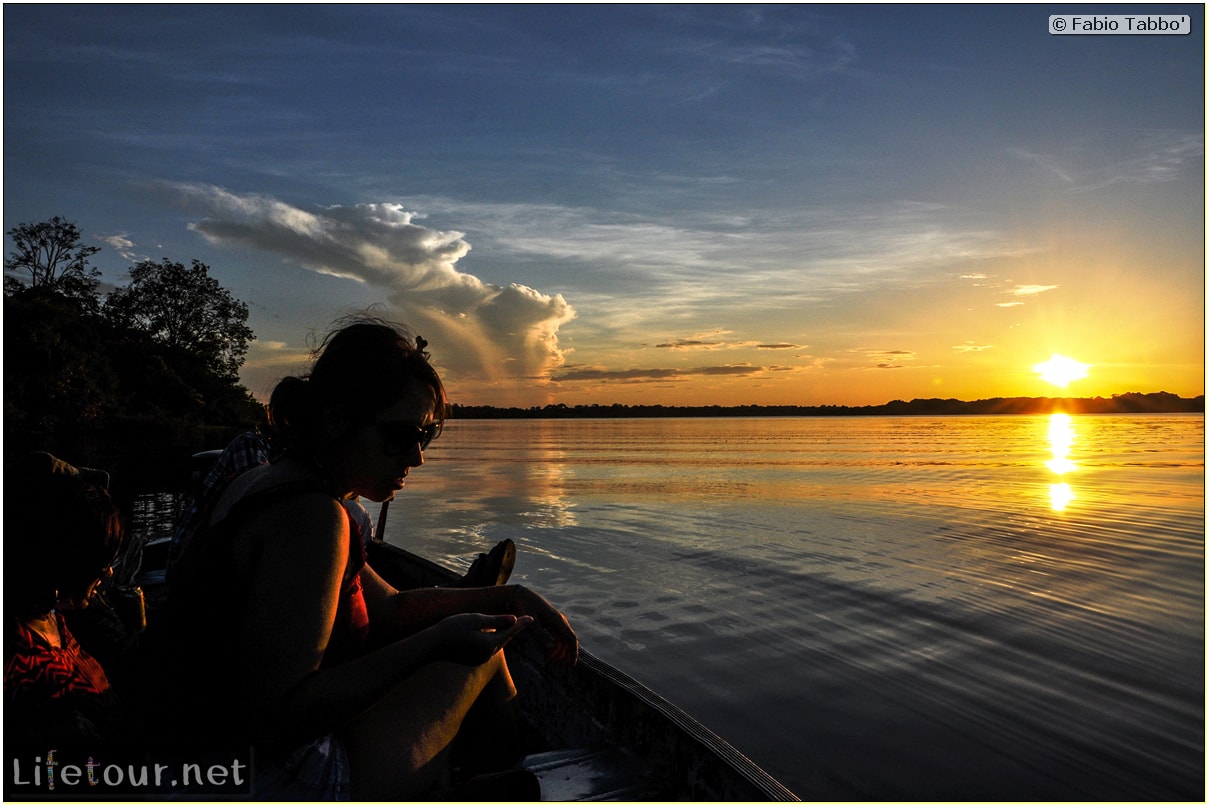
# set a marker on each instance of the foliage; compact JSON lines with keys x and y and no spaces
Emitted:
{"x":56,"y":370}
{"x":51,"y":254}
{"x":160,"y":356}
{"x":185,"y":310}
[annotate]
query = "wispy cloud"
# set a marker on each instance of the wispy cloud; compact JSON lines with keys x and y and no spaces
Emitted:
{"x":1159,"y":156}
{"x":1031,"y":290}
{"x":692,"y":344}
{"x":277,"y":355}
{"x":494,"y":331}
{"x":651,"y":373}
{"x":687,"y":270}
{"x":1023,"y":291}
{"x":1141,"y":157}
{"x":1047,"y":163}
{"x":710,"y":344}
{"x":121,"y":243}
{"x":890,"y":359}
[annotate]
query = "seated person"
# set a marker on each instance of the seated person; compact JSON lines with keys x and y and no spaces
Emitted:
{"x":61,"y":535}
{"x":246,"y":451}
{"x":273,"y":606}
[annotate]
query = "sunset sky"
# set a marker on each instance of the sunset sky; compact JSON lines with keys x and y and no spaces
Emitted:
{"x":644,"y":204}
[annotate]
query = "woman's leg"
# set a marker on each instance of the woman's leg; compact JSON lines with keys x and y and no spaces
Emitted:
{"x":398,"y":748}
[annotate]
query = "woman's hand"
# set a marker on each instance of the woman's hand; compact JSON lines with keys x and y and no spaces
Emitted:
{"x":562,"y":646}
{"x":472,"y":638}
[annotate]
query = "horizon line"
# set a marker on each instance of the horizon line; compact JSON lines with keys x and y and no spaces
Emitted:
{"x":898,"y":402}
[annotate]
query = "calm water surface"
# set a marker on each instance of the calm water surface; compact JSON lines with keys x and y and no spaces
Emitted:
{"x":875,"y":608}
{"x":973,"y":608}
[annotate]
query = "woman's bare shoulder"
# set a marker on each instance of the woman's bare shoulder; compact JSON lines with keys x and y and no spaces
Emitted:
{"x":280,"y":511}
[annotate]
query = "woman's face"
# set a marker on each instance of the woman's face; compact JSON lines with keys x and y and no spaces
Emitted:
{"x":379,"y":454}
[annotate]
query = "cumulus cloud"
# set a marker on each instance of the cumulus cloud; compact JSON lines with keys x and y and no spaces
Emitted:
{"x":477,"y":329}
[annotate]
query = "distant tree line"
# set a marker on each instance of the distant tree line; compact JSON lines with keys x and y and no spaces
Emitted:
{"x":1131,"y":403}
{"x":150,"y":365}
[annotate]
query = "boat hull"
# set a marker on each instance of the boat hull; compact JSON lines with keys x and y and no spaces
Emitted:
{"x":607,"y":735}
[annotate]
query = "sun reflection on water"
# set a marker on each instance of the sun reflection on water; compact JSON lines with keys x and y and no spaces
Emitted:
{"x":1060,"y":495}
{"x":1061,"y":439}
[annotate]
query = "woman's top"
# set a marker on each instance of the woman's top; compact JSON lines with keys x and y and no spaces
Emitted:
{"x":54,"y":693}
{"x":200,"y":639}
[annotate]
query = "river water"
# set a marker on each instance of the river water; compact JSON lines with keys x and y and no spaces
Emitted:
{"x":972,"y":608}
{"x":873,"y":608}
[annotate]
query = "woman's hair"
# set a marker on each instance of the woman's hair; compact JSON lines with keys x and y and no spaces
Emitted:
{"x":363,"y":366}
{"x":61,"y":531}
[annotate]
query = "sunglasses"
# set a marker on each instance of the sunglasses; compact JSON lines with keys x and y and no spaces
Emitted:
{"x":399,"y":437}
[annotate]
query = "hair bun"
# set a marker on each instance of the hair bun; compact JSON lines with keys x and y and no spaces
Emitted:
{"x":290,"y":405}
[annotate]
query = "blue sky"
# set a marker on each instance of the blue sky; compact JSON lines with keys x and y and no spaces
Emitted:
{"x":664,"y":204}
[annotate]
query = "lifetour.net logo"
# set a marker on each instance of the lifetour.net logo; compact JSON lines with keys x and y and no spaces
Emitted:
{"x":84,"y":775}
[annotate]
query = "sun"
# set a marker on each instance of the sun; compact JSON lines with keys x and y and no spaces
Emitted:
{"x":1060,"y":370}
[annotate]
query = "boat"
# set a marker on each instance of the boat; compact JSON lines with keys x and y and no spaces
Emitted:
{"x":608,"y":736}
{"x":600,"y":734}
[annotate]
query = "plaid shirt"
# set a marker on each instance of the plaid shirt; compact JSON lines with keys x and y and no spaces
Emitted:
{"x":246,"y":451}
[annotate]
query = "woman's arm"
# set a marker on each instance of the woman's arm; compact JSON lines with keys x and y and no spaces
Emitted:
{"x":401,"y":613}
{"x":296,"y":573}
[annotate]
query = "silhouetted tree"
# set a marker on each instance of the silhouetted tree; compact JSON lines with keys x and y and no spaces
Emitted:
{"x":56,"y":375}
{"x":53,"y":257}
{"x":154,"y":368}
{"x":186,"y":311}
{"x":56,"y":370}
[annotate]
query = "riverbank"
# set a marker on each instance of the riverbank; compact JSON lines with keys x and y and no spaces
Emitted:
{"x":1130,"y":403}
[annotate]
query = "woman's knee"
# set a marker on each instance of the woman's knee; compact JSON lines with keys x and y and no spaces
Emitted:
{"x":500,"y":683}
{"x":398,"y":747}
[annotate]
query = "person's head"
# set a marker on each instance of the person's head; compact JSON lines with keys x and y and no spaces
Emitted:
{"x":62,"y":533}
{"x":358,"y":411}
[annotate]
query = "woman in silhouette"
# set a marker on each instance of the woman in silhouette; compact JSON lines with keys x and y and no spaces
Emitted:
{"x":292,"y":643}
